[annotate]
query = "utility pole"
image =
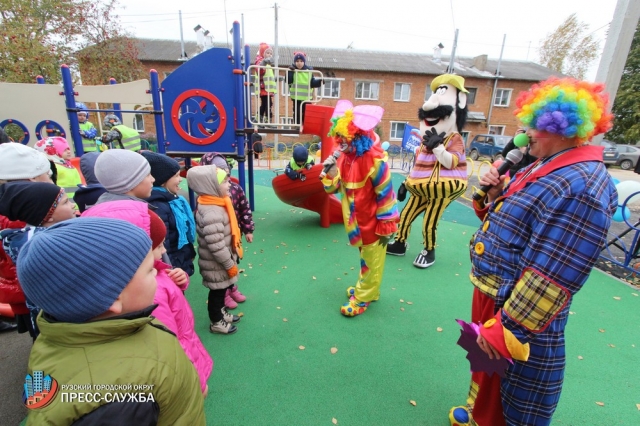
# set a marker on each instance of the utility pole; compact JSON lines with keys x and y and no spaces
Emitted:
{"x":183,"y":54}
{"x":616,"y":49}
{"x":495,"y":84}
{"x":451,"y":67}
{"x":276,"y":57}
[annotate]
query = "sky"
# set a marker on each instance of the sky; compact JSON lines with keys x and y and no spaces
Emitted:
{"x":398,"y":25}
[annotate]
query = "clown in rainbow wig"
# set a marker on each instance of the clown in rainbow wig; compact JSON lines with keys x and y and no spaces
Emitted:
{"x":362,"y":176}
{"x":439,"y":174}
{"x":540,"y":237}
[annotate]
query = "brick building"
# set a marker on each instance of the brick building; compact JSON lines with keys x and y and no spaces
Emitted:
{"x":398,"y":82}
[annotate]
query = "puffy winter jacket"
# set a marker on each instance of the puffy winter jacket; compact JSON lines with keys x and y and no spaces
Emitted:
{"x":10,"y":290}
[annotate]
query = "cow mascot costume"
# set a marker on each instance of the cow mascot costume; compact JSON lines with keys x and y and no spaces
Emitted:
{"x":439,"y":174}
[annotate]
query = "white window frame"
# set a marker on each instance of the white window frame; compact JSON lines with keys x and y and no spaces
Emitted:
{"x":331,"y":81}
{"x":502,"y":102}
{"x":427,"y":93}
{"x":403,"y":87}
{"x":138,"y":117}
{"x":497,"y":130}
{"x":369,"y":83}
{"x":394,"y":124}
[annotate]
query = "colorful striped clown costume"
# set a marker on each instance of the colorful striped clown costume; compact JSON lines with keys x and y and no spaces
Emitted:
{"x":537,"y":245}
{"x":369,"y":208}
{"x":439,"y":173}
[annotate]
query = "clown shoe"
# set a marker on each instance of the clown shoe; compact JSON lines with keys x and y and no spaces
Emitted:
{"x":353,"y":307}
{"x":459,"y":416}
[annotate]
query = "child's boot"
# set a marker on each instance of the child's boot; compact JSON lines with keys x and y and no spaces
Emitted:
{"x":236,"y":295}
{"x":230,"y":318}
{"x":228,"y":300}
{"x":222,"y":327}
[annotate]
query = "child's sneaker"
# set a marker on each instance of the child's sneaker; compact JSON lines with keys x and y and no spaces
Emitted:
{"x":397,"y":248}
{"x":236,"y":295}
{"x":230,"y":318}
{"x":425,"y":259}
{"x":228,"y":300}
{"x":222,"y":327}
{"x":459,"y":416}
{"x":353,"y":307}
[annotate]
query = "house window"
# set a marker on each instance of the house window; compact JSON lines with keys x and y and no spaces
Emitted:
{"x":502,"y":97}
{"x":428,"y":93}
{"x":471,"y":96}
{"x":402,"y":92}
{"x":397,"y":130}
{"x":138,"y":122}
{"x":496,"y":130}
{"x":367,"y":90}
{"x":331,"y":88}
{"x":465,"y":137}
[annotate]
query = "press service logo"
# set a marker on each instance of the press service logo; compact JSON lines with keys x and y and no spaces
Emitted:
{"x":39,"y":390}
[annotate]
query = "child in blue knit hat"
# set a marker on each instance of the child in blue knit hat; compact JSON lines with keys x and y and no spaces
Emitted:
{"x":97,"y":335}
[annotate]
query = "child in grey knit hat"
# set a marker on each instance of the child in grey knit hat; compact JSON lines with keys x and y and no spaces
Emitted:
{"x":126,"y":175}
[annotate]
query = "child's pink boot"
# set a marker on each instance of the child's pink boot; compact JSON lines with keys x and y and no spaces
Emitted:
{"x":228,"y":300}
{"x":236,"y":295}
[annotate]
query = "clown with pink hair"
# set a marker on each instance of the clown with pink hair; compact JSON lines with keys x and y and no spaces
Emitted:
{"x":540,"y":238}
{"x":363,"y":178}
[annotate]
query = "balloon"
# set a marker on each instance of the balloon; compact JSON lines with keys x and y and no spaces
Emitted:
{"x":627,"y":188}
{"x":385,"y":145}
{"x":615,"y":180}
{"x":521,"y":140}
{"x":620,"y":216}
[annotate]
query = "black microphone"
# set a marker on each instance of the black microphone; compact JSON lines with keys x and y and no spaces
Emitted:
{"x":325,"y":170}
{"x":513,"y":157}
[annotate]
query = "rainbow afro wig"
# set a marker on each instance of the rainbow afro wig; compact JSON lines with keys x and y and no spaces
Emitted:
{"x":355,"y":124}
{"x":567,"y":107}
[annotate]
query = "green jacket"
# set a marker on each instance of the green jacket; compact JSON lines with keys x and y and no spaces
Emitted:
{"x":122,"y":352}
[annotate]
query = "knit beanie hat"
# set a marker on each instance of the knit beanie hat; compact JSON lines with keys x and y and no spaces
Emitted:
{"x":92,"y":288}
{"x":163,"y":168}
{"x":221,"y":174}
{"x":87,"y":167}
{"x":19,"y":161}
{"x":121,"y":170}
{"x":157,"y":229}
{"x":31,"y":202}
{"x":299,"y":55}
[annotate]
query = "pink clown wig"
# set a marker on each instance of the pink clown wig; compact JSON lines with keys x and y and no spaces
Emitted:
{"x":567,"y":107}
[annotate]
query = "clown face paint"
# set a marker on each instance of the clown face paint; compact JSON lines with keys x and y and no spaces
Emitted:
{"x":439,"y":111}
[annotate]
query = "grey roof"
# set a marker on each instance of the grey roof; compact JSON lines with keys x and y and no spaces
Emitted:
{"x":362,"y":60}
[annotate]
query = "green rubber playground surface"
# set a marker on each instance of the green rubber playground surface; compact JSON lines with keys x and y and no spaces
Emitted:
{"x":280,"y":367}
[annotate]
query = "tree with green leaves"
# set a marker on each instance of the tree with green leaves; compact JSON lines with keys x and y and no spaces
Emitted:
{"x":626,"y":106}
{"x":568,"y":50}
{"x":40,"y":35}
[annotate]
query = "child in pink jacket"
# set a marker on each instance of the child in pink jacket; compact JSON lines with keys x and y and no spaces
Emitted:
{"x":173,"y":309}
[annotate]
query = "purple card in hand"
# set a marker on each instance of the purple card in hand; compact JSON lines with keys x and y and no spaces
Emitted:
{"x":478,"y":359}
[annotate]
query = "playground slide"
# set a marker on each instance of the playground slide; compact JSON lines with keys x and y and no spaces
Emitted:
{"x":309,"y":195}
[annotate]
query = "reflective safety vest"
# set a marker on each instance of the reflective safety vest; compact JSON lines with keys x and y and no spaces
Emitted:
{"x":270,"y":84}
{"x":295,"y":167}
{"x":130,"y":138}
{"x":88,"y":145}
{"x":300,"y":89}
{"x":69,"y":179}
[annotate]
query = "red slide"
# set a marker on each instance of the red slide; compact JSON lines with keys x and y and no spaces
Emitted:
{"x":309,"y":195}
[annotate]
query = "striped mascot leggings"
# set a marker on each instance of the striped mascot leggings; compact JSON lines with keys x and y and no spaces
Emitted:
{"x":432,"y":198}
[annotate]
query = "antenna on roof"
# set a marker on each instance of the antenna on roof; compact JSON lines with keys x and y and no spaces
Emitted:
{"x":437,"y":53}
{"x":350,"y":46}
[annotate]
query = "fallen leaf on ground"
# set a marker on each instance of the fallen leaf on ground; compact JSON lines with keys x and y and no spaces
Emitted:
{"x":600,"y":403}
{"x":580,"y":357}
{"x":277,"y":272}
{"x":571,"y":313}
{"x":334,"y":350}
{"x":634,"y":294}
{"x":334,"y":421}
{"x":616,"y":297}
{"x":284,"y":244}
{"x":402,"y":309}
{"x":601,"y":330}
{"x":412,"y":402}
{"x":284,"y":267}
{"x":611,"y":345}
{"x":301,"y":348}
{"x":638,"y":407}
{"x":393,"y":288}
{"x":409,"y":303}
{"x":240,"y":314}
{"x":352,"y":268}
{"x":276,"y":291}
{"x":313,"y":278}
{"x":401,"y":300}
{"x":285,"y":320}
{"x":277,"y":307}
{"x":439,"y":329}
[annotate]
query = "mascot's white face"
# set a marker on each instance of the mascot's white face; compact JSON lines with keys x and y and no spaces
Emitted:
{"x":440,"y":110}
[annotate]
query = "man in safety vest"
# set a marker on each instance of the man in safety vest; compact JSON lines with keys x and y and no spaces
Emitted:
{"x":126,"y":137}
{"x":301,"y":85}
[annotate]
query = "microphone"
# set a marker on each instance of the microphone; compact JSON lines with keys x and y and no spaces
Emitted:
{"x":336,"y":155}
{"x":513,"y":157}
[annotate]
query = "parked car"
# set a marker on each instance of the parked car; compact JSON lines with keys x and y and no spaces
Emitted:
{"x":487,"y":146}
{"x":610,"y":153}
{"x":625,"y":156}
